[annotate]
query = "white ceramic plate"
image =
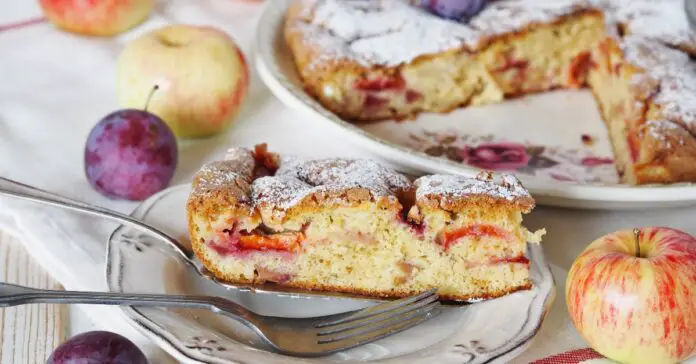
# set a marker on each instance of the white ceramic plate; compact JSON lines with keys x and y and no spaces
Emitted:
{"x":539,"y":138}
{"x":494,"y":331}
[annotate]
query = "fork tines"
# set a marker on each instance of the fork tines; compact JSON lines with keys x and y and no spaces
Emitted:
{"x":379,"y":321}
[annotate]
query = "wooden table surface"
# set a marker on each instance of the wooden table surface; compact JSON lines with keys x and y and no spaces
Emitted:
{"x":28,"y":333}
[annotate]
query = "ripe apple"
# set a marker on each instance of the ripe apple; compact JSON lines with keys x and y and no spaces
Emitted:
{"x":202,"y":75}
{"x":99,"y":18}
{"x":632,"y":295}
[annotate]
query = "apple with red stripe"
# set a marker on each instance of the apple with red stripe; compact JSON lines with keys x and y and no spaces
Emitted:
{"x":202,"y":75}
{"x":632,"y":295}
{"x":96,"y":17}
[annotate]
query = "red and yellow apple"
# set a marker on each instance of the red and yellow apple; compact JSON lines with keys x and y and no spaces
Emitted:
{"x":98,"y":18}
{"x":632,"y":295}
{"x":202,"y":75}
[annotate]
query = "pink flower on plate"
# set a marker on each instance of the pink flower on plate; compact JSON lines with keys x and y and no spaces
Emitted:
{"x":596,"y":161}
{"x":497,"y":156}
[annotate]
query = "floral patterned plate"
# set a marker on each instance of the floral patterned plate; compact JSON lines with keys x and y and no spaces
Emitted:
{"x":472,"y":334}
{"x":556,"y":142}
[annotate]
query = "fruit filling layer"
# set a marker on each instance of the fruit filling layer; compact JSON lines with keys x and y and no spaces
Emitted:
{"x":474,"y":231}
{"x":232,"y":242}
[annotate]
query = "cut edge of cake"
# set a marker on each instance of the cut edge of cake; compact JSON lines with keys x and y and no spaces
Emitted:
{"x":368,"y":230}
{"x":646,"y":93}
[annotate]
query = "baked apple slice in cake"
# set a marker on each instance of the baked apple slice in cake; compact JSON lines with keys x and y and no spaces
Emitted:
{"x":355,"y":226}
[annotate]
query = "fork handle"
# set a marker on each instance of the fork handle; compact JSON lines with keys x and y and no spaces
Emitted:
{"x":14,"y":295}
{"x":29,"y":193}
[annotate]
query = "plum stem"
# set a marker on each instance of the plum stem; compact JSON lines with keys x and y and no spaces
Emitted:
{"x":149,"y":97}
{"x":636,"y":234}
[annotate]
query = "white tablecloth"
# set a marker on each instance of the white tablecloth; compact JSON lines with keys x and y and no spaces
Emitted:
{"x":55,"y":86}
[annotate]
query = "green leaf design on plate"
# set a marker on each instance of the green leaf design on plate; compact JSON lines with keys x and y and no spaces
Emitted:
{"x":541,"y":162}
{"x":536,"y":150}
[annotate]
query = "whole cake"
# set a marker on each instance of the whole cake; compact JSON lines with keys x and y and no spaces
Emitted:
{"x":369,"y":60}
{"x":355,"y":226}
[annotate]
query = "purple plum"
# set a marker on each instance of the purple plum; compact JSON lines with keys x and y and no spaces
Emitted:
{"x":461,"y":10}
{"x":97,"y":347}
{"x":130,"y":154}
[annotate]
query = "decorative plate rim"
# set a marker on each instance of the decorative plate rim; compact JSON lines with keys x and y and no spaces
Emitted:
{"x":272,"y":76}
{"x":153,"y":331}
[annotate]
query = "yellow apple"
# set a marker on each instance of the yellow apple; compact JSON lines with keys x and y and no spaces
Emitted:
{"x":202,"y":75}
{"x":632,"y":295}
{"x":99,"y":18}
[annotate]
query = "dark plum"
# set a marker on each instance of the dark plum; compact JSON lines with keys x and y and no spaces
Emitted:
{"x":461,"y":10}
{"x":97,"y":347}
{"x":130,"y":154}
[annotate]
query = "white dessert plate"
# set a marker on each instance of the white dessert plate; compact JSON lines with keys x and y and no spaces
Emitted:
{"x":556,"y":142}
{"x":492,"y":331}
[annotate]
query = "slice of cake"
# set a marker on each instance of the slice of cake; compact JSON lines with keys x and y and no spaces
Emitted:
{"x":356,"y":226}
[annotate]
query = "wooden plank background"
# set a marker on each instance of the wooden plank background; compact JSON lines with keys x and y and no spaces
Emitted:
{"x":28,"y":333}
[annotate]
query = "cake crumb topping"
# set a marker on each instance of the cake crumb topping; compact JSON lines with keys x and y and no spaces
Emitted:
{"x":507,"y":188}
{"x":675,"y":73}
{"x":297,"y":179}
{"x":664,"y":21}
{"x":337,"y":181}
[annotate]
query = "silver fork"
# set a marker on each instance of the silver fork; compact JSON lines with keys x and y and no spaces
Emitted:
{"x":315,"y":336}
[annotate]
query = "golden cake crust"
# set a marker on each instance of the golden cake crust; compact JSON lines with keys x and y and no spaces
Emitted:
{"x":304,"y":185}
{"x":451,"y":193}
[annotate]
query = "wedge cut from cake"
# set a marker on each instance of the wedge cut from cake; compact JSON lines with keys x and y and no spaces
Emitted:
{"x":355,"y":226}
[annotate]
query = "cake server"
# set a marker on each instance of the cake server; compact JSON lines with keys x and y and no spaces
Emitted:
{"x":17,"y":190}
{"x":308,"y":337}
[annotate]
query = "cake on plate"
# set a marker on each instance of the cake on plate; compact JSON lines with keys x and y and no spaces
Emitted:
{"x":355,"y":226}
{"x":370,"y":60}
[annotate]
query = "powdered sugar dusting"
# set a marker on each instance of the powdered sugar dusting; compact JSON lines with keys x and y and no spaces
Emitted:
{"x":218,"y":175}
{"x":345,"y":173}
{"x":392,"y":32}
{"x":241,"y":160}
{"x":666,"y":132}
{"x":675,"y":73}
{"x":508,"y":188}
{"x":299,"y":178}
{"x":663,"y":20}
{"x":283,"y":192}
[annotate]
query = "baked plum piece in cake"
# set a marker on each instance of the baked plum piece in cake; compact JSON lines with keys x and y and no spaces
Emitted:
{"x":647,"y":94}
{"x":355,"y":226}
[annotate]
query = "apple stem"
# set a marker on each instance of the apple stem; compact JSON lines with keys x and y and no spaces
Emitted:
{"x":636,"y":233}
{"x":149,"y":97}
